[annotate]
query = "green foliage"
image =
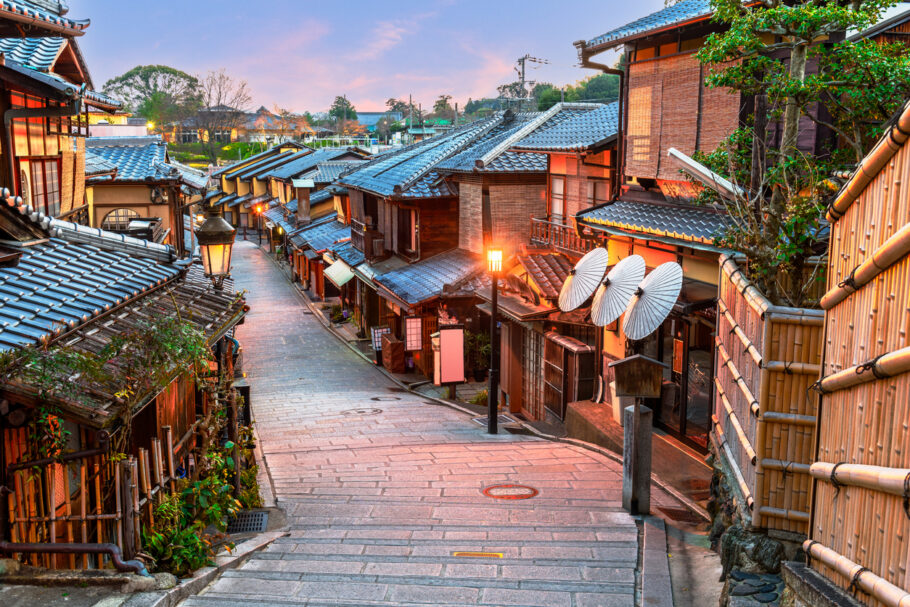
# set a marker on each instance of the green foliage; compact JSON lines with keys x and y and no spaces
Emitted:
{"x":849,"y":88}
{"x":177,"y":541}
{"x":130,"y":366}
{"x":481,"y":398}
{"x":342,"y":109}
{"x":158,"y":93}
{"x":337,"y":314}
{"x":477,"y":350}
{"x":600,"y":88}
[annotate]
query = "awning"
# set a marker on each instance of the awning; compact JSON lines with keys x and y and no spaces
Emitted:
{"x":339,"y":273}
{"x":310,"y":254}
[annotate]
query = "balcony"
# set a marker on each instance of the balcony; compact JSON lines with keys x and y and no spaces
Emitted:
{"x":559,"y":237}
{"x":78,"y":215}
{"x":367,"y":240}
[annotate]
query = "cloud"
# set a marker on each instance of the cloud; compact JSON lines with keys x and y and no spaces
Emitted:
{"x":386,"y":35}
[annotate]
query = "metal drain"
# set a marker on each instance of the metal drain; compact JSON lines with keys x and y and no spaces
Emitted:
{"x":369,"y":411}
{"x":510,"y":492}
{"x":503,"y":419}
{"x":385,"y":398}
{"x":249,"y":521}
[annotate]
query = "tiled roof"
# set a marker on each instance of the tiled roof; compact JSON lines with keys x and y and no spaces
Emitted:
{"x":426,"y":279}
{"x":59,"y":285}
{"x":36,"y":53}
{"x":327,"y":172}
{"x":236,"y":201}
{"x":677,"y":13}
{"x":307,"y":162}
{"x":685,"y":223}
{"x":347,"y":253}
{"x":24,"y":11}
{"x":465,"y":159}
{"x":574,"y":129}
{"x":97,"y":165}
{"x":249,"y":202}
{"x":265,"y":166}
{"x":322,"y":235}
{"x":136,"y":158}
{"x":291,"y":205}
{"x":548,"y":271}
{"x":410,"y":171}
{"x":250,"y":161}
{"x":320,"y":196}
{"x":191,"y":177}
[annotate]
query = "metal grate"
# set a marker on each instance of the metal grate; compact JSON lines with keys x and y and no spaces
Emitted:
{"x":503,"y":419}
{"x":248,"y":521}
{"x":510,"y":492}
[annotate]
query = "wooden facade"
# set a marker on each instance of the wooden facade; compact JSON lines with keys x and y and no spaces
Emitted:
{"x":860,"y":517}
{"x":764,"y":417}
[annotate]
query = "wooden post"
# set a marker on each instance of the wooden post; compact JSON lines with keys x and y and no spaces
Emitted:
{"x":233,"y":437}
{"x":636,"y":469}
{"x":169,"y":443}
{"x":128,"y":514}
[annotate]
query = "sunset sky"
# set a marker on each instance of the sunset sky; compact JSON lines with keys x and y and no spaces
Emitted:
{"x":299,"y":54}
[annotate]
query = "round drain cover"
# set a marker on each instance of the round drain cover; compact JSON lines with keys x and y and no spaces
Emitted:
{"x":510,"y":492}
{"x":367,"y":411}
{"x":383,"y":398}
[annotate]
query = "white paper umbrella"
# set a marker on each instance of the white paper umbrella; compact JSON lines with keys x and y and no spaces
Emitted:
{"x":616,"y":290}
{"x":583,"y":279}
{"x":653,"y":301}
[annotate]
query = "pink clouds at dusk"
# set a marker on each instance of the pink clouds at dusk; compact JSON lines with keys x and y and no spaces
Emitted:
{"x":300,"y":54}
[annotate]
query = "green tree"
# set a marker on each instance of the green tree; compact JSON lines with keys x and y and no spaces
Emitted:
{"x":158,"y":93}
{"x":342,"y":109}
{"x":442,"y":108}
{"x":397,"y":105}
{"x":848,"y":88}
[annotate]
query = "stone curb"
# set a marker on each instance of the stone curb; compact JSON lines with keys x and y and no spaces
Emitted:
{"x":206,"y":575}
{"x":656,"y":589}
{"x":688,"y":503}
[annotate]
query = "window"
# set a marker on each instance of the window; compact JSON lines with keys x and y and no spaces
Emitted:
{"x":413,"y":333}
{"x":189,"y":136}
{"x":407,"y":230}
{"x":557,"y":198}
{"x":45,"y":182}
{"x":119,"y":220}
{"x":597,"y":192}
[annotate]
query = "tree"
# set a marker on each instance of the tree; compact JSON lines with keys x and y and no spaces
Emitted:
{"x":442,"y":108}
{"x":158,"y":93}
{"x":224,"y":102}
{"x":846,"y":88}
{"x":342,"y":109}
{"x":397,"y":105}
{"x":290,"y":123}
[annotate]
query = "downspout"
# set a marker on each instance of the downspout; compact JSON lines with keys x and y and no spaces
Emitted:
{"x":620,"y":132}
{"x":73,"y":108}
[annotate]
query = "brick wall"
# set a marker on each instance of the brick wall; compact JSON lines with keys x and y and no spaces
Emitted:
{"x":513,"y":204}
{"x":577,"y":174}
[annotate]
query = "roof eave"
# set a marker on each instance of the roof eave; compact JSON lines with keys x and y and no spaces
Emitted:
{"x":586,"y":51}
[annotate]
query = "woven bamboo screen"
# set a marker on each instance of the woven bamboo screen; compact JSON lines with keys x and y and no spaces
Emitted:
{"x":861,"y":519}
{"x":764,"y":420}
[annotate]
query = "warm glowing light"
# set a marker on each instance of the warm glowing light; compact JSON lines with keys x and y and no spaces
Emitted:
{"x":150,"y":125}
{"x":494,"y":260}
{"x":200,"y":217}
{"x":279,"y":229}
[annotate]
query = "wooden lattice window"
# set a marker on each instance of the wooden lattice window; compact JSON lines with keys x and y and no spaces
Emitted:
{"x":119,"y":220}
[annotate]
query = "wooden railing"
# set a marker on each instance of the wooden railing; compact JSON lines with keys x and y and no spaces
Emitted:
{"x":558,"y":236}
{"x":358,"y":232}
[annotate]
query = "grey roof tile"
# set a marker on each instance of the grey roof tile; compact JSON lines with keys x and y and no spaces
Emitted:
{"x":328,"y":172}
{"x":322,"y":235}
{"x":24,"y":8}
{"x":574,"y":129}
{"x":464,"y":160}
{"x":685,"y":223}
{"x":427,"y":278}
{"x":136,"y":158}
{"x":346,"y":252}
{"x":677,"y":13}
{"x":36,"y":53}
{"x":97,"y":165}
{"x":307,"y":162}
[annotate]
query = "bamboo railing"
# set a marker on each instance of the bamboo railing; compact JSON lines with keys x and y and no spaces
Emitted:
{"x":90,"y":499}
{"x":861,"y":505}
{"x":767,"y":358}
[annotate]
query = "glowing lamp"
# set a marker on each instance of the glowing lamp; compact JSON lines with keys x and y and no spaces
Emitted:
{"x":200,"y":218}
{"x":216,"y":239}
{"x":150,"y":125}
{"x":494,"y":261}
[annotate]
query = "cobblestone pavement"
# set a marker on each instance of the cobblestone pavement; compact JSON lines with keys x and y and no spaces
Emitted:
{"x":382,"y":487}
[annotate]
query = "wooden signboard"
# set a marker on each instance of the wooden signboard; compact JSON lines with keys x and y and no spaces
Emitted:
{"x":638,"y":376}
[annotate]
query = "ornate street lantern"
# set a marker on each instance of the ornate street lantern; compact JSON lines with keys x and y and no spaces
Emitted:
{"x":216,"y":239}
{"x":494,"y":267}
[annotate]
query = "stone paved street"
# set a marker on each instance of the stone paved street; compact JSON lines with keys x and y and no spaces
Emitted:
{"x":381,"y":487}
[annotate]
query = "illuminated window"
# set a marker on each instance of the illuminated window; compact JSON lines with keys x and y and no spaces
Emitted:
{"x":413,"y":333}
{"x":45,"y":178}
{"x":119,"y":220}
{"x":377,"y":333}
{"x":557,"y":197}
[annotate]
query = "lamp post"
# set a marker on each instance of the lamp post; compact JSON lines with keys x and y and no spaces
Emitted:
{"x":216,"y":239}
{"x":259,"y":223}
{"x":494,"y":266}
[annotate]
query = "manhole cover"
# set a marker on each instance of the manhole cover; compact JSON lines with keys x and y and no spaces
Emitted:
{"x":510,"y":492}
{"x":369,"y":411}
{"x":503,"y":419}
{"x":249,"y":522}
{"x":384,"y":398}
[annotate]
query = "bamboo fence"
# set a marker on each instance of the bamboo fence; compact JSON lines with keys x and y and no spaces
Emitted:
{"x":764,"y":420}
{"x":861,"y":505}
{"x":92,"y":499}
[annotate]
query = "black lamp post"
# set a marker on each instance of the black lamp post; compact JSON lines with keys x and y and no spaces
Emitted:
{"x":494,"y":266}
{"x":259,"y":223}
{"x":216,"y":239}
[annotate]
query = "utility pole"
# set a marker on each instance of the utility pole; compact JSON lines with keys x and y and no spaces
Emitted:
{"x":521,"y":72}
{"x":410,"y":117}
{"x":456,"y":115}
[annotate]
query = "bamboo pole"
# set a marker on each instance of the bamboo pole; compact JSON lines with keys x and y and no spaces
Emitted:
{"x":83,"y":510}
{"x":68,"y":512}
{"x":785,"y":514}
{"x":798,"y":368}
{"x":883,"y":367}
{"x":875,"y":478}
{"x":737,"y":427}
{"x":169,"y":442}
{"x":722,"y":441}
{"x":773,"y":417}
{"x":737,"y":377}
{"x":865,"y":580}
{"x":738,"y":331}
{"x":51,"y":507}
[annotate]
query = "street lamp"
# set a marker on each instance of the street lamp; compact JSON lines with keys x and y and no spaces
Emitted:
{"x":259,"y":223}
{"x":216,"y":239}
{"x":494,"y":266}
